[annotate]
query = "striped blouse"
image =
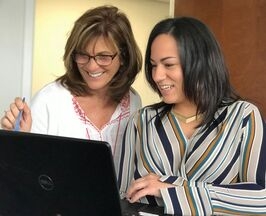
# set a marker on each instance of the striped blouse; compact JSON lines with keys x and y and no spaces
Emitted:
{"x":218,"y":171}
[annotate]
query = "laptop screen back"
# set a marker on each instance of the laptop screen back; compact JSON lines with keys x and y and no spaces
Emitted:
{"x":50,"y":175}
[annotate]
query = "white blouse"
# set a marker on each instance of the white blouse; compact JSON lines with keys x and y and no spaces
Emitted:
{"x":55,"y":111}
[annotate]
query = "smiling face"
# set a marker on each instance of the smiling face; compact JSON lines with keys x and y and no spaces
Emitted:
{"x":166,"y":69}
{"x":98,"y":77}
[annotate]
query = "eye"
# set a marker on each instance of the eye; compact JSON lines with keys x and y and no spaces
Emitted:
{"x":168,"y":65}
{"x":171,"y":65}
{"x":103,"y":57}
{"x":81,"y":58}
{"x":153,"y":66}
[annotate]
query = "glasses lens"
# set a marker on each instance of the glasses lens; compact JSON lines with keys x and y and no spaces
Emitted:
{"x":81,"y":59}
{"x":103,"y":59}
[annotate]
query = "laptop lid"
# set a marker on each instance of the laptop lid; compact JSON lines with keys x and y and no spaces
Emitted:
{"x":51,"y":175}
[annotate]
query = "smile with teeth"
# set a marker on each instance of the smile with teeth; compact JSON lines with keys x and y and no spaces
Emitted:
{"x":95,"y":74}
{"x":166,"y":87}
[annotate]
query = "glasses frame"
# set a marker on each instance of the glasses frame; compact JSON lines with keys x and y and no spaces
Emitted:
{"x":89,"y":57}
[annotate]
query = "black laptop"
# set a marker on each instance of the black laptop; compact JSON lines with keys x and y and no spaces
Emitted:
{"x":43,"y":175}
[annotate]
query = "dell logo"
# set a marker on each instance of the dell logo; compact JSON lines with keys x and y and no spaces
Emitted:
{"x":46,"y":182}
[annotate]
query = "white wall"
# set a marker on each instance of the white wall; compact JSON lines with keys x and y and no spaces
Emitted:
{"x":54,"y":19}
{"x":16,"y":39}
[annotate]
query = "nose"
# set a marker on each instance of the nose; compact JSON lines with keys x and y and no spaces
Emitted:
{"x":91,"y":65}
{"x":158,"y":73}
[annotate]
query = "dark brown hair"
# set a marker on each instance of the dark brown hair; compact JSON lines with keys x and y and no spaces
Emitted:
{"x":206,"y":78}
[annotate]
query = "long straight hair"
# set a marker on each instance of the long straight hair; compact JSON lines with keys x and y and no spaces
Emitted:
{"x":206,"y":79}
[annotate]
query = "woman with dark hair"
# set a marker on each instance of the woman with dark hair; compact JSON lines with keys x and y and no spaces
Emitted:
{"x":94,"y":98}
{"x":201,"y":151}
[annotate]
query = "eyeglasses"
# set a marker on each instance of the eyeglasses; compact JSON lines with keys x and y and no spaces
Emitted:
{"x":101,"y":60}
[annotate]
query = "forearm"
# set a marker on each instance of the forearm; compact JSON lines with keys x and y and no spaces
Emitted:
{"x":187,"y":198}
{"x":199,"y":198}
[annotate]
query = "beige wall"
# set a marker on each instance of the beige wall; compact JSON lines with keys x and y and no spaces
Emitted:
{"x":54,"y":20}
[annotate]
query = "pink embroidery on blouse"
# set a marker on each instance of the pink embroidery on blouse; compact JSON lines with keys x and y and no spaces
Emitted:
{"x":124,"y":106}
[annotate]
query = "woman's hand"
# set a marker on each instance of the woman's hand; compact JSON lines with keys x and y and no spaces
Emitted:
{"x":148,"y":185}
{"x":9,"y":119}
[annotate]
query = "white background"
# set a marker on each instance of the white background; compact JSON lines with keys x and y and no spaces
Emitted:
{"x":16,"y":40}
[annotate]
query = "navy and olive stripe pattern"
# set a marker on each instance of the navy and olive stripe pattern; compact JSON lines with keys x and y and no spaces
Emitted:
{"x":218,"y":171}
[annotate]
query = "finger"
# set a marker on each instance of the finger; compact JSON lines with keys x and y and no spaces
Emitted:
{"x":135,"y":186}
{"x":26,"y":120}
{"x":140,"y":183}
{"x":14,"y":110}
{"x":26,"y":110}
{"x":148,"y":185}
{"x":138,"y":195}
{"x":19,"y":103}
{"x":6,"y":123}
{"x":11,"y":117}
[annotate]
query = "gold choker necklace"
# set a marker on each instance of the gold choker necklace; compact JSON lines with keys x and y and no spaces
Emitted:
{"x":185,"y":119}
